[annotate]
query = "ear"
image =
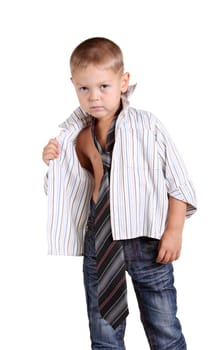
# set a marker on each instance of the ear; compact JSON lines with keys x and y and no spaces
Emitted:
{"x":125,"y":81}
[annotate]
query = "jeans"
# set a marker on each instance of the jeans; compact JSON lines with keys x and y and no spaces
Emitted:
{"x":156,"y":295}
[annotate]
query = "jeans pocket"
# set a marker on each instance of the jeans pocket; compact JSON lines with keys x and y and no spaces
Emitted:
{"x":148,"y":250}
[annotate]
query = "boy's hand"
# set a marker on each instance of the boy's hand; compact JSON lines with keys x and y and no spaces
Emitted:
{"x":50,"y":151}
{"x":169,"y":247}
{"x":171,"y":240}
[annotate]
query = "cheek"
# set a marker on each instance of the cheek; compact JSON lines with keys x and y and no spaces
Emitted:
{"x":82,"y":99}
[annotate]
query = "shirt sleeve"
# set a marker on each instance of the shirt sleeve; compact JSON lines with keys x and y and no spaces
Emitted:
{"x":177,"y":180}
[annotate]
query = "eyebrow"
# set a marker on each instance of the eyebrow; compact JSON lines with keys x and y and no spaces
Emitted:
{"x":104,"y":82}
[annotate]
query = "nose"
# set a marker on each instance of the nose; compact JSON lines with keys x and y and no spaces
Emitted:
{"x":94,"y":95}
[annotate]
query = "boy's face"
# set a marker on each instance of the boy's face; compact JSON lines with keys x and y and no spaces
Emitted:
{"x":99,"y":90}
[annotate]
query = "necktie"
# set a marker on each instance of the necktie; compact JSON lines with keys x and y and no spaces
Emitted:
{"x":112,"y":290}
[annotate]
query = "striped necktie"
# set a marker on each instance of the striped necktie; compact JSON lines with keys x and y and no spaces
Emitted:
{"x":112,"y":289}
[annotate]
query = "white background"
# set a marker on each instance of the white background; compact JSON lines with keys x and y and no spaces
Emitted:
{"x":171,"y":49}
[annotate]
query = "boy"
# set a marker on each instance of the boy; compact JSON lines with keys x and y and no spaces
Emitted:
{"x":118,"y":194}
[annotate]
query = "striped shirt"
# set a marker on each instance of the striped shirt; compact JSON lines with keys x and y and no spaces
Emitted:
{"x":146,"y":169}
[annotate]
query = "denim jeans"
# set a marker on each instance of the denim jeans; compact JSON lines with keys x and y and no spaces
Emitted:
{"x":156,"y":296}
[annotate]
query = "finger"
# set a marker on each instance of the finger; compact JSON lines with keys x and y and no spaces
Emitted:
{"x":166,"y":259}
{"x":51,"y":149}
{"x":161,"y":255}
{"x":46,"y":156}
{"x":49,"y":155}
{"x":170,"y":257}
{"x":53,"y":142}
{"x":166,"y":256}
{"x":177,"y":255}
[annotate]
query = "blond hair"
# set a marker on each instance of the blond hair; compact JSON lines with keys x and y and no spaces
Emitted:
{"x":98,"y":51}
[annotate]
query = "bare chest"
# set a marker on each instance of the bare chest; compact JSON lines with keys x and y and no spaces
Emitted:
{"x":97,"y":169}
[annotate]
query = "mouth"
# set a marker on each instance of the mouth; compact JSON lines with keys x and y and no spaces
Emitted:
{"x":96,"y":108}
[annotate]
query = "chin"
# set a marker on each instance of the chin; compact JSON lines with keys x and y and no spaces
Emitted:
{"x":97,"y":114}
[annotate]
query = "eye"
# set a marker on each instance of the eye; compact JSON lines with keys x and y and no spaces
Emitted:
{"x":83,"y":89}
{"x":104,"y":86}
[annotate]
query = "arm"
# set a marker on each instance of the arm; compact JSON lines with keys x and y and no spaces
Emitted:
{"x":171,"y":241}
{"x":50,"y":151}
{"x":176,"y":176}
